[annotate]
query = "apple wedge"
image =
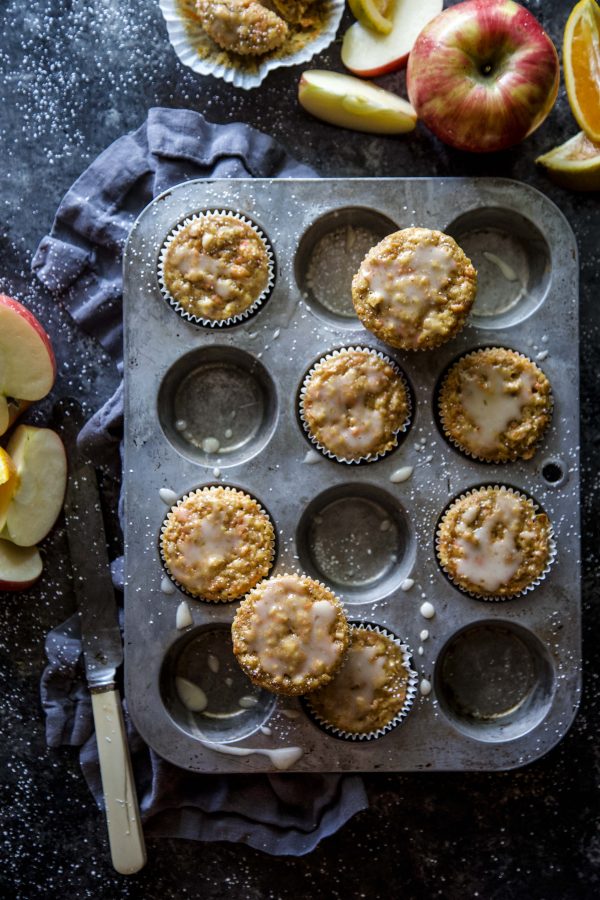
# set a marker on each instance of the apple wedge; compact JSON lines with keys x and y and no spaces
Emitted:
{"x":41,"y":465}
{"x":369,"y":54}
{"x":20,"y":567}
{"x":27,"y":364}
{"x":352,"y":103}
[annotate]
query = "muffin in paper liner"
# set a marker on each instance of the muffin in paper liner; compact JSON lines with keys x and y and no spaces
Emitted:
{"x":400,"y":715}
{"x":394,"y":438}
{"x":286,"y":633}
{"x":244,"y":314}
{"x":251,"y":580}
{"x":547,"y":537}
{"x":196,"y":50}
{"x":540,"y":423}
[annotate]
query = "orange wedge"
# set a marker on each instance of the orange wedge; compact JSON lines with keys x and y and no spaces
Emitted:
{"x":8,"y":483}
{"x":581,"y":60}
{"x":575,"y":164}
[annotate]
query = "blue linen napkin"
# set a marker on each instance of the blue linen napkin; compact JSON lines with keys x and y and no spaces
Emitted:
{"x":80,"y":262}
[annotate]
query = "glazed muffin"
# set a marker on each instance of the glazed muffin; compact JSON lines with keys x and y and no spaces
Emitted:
{"x":371,"y":689}
{"x":494,"y":542}
{"x":215,"y":267}
{"x":217,"y":543}
{"x":354,"y":403}
{"x":414,"y":289}
{"x":495,"y":404}
{"x":290,"y":635}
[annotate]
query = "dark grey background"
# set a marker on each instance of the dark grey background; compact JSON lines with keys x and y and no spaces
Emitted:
{"x":75,"y":75}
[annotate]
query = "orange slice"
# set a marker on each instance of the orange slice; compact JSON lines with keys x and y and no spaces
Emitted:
{"x":581,"y":59}
{"x":373,"y":14}
{"x":575,"y":164}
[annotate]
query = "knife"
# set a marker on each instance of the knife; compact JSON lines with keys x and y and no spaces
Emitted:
{"x":102,"y":646}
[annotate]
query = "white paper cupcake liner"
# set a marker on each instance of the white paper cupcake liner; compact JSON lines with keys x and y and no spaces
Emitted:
{"x":371,"y":457}
{"x":231,"y":320}
{"x":411,"y":693}
{"x":165,"y":564}
{"x":451,"y":440}
{"x":197,"y":51}
{"x":492,"y":597}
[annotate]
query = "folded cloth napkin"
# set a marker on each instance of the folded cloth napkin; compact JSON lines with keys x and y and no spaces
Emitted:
{"x":80,"y":262}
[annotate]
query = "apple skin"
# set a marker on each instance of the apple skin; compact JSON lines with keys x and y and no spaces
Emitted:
{"x":483,"y":75}
{"x":363,"y":49}
{"x":20,"y":567}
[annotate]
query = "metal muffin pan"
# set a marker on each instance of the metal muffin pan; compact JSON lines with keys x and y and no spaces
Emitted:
{"x":505,"y":675}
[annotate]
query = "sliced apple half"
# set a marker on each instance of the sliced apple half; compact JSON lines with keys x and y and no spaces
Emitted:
{"x":41,"y":470}
{"x":27,"y":364}
{"x":352,"y":103}
{"x":369,"y":54}
{"x":20,"y":567}
{"x":372,"y":14}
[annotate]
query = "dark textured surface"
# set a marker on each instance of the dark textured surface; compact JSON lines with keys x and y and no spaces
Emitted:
{"x":74,"y":76}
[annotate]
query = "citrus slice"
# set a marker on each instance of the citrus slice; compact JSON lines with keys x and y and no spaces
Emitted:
{"x":373,"y":14}
{"x":575,"y":164}
{"x":581,"y":59}
{"x":8,"y":483}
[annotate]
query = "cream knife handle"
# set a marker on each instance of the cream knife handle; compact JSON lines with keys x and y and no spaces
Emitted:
{"x":125,"y":833}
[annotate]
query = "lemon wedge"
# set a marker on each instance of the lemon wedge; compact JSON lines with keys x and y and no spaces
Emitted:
{"x":373,"y":14}
{"x":581,"y":60}
{"x":575,"y":164}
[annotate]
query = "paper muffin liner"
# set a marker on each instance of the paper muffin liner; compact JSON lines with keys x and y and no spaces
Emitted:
{"x":197,"y":51}
{"x":371,"y":457}
{"x":302,"y":577}
{"x":451,"y":440}
{"x":492,"y":597}
{"x":231,"y":320}
{"x":411,"y":693}
{"x":165,"y":564}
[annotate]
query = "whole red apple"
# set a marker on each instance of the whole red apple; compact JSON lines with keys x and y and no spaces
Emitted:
{"x":483,"y":75}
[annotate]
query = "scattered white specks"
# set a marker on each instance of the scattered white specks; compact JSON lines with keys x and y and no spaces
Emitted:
{"x":210,"y":445}
{"x":401,"y":474}
{"x":192,"y":696}
{"x":167,"y":586}
{"x":168,"y":497}
{"x":427,"y":610}
{"x":407,"y":584}
{"x":183,"y":618}
{"x":425,"y":687}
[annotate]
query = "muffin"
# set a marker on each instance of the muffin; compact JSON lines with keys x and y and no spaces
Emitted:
{"x":215,"y":267}
{"x":353,"y":405}
{"x":217,"y":543}
{"x":414,"y":289}
{"x":372,"y":690}
{"x":245,"y":27}
{"x":494,"y":543}
{"x":290,"y":635}
{"x":495,"y":405}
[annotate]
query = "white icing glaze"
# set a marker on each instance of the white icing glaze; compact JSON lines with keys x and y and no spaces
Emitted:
{"x":491,"y":402}
{"x":292,"y":632}
{"x":248,"y":702}
{"x":340,"y":405}
{"x":490,"y":557}
{"x":407,"y":584}
{"x":210,"y":445}
{"x":167,"y":586}
{"x":355,"y":685}
{"x":425,"y":687}
{"x":424,"y":635}
{"x":192,"y":696}
{"x":401,"y":474}
{"x":282,"y":758}
{"x":207,"y":548}
{"x":217,"y":472}
{"x":312,"y":458}
{"x":427,"y":610}
{"x":508,"y":272}
{"x":213,"y":663}
{"x":264,"y":729}
{"x":183,"y":618}
{"x":167,"y":496}
{"x":290,"y":713}
{"x":420,"y":651}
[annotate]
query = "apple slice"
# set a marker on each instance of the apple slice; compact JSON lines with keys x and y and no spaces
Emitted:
{"x":20,"y":567}
{"x":41,"y":464}
{"x":369,"y":54}
{"x":27,"y":364}
{"x":8,"y":484}
{"x":352,"y":103}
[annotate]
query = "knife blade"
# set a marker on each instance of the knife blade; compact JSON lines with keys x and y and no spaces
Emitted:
{"x":102,"y":645}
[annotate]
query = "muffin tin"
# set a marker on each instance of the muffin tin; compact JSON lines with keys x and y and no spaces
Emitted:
{"x":505,"y":675}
